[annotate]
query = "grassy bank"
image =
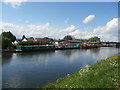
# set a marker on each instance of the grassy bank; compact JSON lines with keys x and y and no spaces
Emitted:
{"x":103,"y":74}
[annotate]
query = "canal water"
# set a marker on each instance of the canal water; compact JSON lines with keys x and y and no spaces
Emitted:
{"x":36,"y":69}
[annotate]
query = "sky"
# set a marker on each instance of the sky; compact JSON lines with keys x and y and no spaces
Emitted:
{"x":58,"y":19}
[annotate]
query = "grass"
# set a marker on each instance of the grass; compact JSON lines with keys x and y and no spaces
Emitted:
{"x":103,"y":74}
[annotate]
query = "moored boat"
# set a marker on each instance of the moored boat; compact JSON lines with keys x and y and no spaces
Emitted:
{"x":35,"y":47}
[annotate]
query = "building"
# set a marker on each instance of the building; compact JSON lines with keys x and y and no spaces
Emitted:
{"x":68,"y":43}
{"x":28,"y":39}
{"x":34,"y":40}
{"x":16,"y":41}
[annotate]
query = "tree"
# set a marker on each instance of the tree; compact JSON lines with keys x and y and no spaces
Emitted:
{"x":0,"y":41}
{"x":9,"y":35}
{"x":94,"y":39}
{"x":46,"y":37}
{"x":68,"y":37}
{"x":6,"y":43}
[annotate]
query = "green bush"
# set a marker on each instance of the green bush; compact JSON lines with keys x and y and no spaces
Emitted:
{"x":6,"y":43}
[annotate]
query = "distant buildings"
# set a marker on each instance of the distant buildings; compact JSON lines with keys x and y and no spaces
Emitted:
{"x":68,"y":43}
{"x":57,"y":43}
{"x":17,"y":41}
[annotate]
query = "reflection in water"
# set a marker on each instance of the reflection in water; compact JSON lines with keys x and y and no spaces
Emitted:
{"x":33,"y":69}
{"x":71,"y":55}
{"x":95,"y":50}
{"x":0,"y":70}
{"x":35,"y":53}
{"x":6,"y":57}
{"x":36,"y":57}
{"x":104,"y":53}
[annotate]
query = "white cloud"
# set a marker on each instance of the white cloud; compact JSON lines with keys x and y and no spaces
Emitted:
{"x":71,"y":28}
{"x":14,"y":3}
{"x":15,"y":29}
{"x":107,"y":32}
{"x":88,"y":19}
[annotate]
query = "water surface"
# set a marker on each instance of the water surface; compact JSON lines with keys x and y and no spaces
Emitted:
{"x":36,"y":69}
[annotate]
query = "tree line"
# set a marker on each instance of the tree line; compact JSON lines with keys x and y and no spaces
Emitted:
{"x":7,"y":38}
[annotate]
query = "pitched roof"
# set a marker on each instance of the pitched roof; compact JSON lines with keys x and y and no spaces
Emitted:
{"x":18,"y":40}
{"x":30,"y":39}
{"x":43,"y":39}
{"x":72,"y":41}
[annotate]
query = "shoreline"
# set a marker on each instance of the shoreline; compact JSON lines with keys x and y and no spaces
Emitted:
{"x":19,"y":51}
{"x":103,"y":74}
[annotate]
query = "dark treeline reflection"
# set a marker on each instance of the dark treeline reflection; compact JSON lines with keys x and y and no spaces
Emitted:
{"x":35,"y":53}
{"x":6,"y":57}
{"x":35,"y":57}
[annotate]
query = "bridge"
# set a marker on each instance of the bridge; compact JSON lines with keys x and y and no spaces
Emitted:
{"x":110,"y":44}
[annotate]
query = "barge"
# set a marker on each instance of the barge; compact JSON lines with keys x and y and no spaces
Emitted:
{"x":29,"y":48}
{"x":64,"y":48}
{"x":26,"y":48}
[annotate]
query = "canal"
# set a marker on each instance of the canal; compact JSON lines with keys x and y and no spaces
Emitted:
{"x":36,"y":69}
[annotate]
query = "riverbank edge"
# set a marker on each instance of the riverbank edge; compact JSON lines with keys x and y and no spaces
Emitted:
{"x":103,"y":74}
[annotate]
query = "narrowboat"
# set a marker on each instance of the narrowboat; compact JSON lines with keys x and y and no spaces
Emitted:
{"x":35,"y":47}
